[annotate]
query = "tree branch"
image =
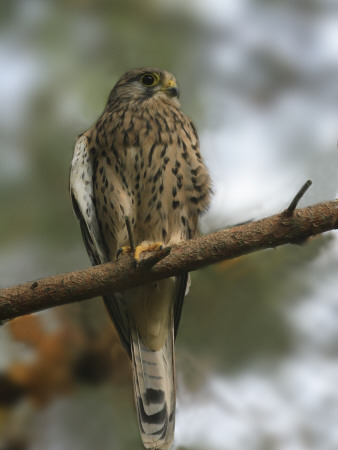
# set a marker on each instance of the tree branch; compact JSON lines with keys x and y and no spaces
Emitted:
{"x":191,"y":255}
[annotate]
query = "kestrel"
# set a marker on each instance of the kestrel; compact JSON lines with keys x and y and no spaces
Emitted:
{"x":141,"y":161}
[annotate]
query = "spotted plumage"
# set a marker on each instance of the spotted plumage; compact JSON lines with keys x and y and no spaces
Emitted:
{"x":141,"y":160}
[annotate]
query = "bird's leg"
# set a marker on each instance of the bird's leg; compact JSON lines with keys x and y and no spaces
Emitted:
{"x":126,"y":248}
{"x":130,"y":234}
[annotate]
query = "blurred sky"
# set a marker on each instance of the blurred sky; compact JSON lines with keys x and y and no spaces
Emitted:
{"x":259,"y":79}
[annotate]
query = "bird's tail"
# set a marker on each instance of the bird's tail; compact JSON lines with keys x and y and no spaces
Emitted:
{"x":155,"y":391}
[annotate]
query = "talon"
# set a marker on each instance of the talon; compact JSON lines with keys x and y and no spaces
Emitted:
{"x":123,"y":251}
{"x":146,"y":248}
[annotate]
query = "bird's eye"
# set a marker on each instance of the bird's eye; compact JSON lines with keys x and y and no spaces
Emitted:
{"x":149,"y":79}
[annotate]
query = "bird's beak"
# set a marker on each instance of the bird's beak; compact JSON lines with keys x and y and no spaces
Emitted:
{"x":171,"y":88}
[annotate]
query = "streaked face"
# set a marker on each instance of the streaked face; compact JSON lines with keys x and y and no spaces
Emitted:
{"x":145,"y":83}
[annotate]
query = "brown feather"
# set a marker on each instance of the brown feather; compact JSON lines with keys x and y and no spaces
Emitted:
{"x":141,"y":159}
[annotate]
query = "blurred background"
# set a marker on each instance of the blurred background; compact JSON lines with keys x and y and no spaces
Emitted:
{"x":258,"y":344}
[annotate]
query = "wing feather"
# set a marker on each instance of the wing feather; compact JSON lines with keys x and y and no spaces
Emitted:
{"x":181,"y":288}
{"x":83,"y":202}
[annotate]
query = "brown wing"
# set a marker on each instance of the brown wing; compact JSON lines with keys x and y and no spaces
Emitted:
{"x":82,"y":197}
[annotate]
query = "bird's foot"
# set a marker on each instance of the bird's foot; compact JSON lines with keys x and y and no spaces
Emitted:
{"x":145,"y":248}
{"x":125,"y":250}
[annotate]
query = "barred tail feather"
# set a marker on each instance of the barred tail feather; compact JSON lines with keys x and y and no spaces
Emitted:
{"x":154,"y":388}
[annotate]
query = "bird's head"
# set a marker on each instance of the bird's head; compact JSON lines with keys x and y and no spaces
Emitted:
{"x":139,"y":85}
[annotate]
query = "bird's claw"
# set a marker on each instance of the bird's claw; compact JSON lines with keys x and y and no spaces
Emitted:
{"x":146,"y":248}
{"x":126,"y":249}
{"x":138,"y":250}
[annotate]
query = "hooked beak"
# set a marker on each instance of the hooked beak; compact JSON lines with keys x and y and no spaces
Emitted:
{"x":171,"y":89}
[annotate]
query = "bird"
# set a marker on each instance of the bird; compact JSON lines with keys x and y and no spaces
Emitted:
{"x":140,"y":165}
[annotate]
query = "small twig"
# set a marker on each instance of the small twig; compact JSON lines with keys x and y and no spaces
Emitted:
{"x":130,"y":233}
{"x":293,"y":205}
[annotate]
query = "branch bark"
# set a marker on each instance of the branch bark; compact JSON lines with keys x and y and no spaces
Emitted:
{"x":191,"y":255}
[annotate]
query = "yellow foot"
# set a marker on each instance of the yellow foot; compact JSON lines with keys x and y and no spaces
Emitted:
{"x":146,"y":248}
{"x":138,"y":250}
{"x":123,"y":251}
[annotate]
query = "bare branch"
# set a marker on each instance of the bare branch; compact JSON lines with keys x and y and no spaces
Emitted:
{"x":187,"y":256}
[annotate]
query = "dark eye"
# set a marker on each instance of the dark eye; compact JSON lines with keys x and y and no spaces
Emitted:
{"x":149,"y":79}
